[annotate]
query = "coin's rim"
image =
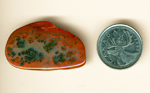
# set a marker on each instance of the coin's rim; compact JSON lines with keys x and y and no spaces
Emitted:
{"x":102,"y":33}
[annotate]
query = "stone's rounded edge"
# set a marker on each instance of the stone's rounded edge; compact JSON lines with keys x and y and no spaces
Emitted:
{"x":50,"y":69}
{"x":104,"y":31}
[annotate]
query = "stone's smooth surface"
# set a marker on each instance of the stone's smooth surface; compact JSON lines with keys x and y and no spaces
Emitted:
{"x":119,"y":46}
{"x":42,"y":46}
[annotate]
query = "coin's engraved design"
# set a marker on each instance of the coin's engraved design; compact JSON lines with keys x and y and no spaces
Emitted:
{"x":105,"y":54}
{"x":103,"y":48}
{"x":104,"y":41}
{"x":137,"y":42}
{"x":122,"y":48}
{"x":108,"y":35}
{"x":135,"y":39}
{"x":117,"y":50}
{"x":111,"y":61}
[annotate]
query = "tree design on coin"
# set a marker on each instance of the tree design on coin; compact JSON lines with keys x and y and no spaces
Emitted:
{"x":119,"y":46}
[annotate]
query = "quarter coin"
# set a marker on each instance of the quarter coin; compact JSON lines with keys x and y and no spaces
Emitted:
{"x":119,"y":46}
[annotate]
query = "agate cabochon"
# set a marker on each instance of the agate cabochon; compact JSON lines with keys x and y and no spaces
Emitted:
{"x":43,"y":46}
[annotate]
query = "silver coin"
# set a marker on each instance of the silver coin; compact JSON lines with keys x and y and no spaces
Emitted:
{"x":119,"y":46}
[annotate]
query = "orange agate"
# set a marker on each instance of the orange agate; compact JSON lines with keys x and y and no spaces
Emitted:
{"x":42,"y":46}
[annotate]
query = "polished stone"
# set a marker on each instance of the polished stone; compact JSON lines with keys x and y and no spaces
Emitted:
{"x":43,"y":46}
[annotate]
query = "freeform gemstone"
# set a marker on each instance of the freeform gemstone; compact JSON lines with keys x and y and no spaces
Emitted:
{"x":42,"y":46}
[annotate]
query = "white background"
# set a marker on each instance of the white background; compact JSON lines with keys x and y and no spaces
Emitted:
{"x":86,"y":19}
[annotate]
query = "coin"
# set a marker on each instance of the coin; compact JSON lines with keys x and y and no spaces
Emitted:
{"x":119,"y":46}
